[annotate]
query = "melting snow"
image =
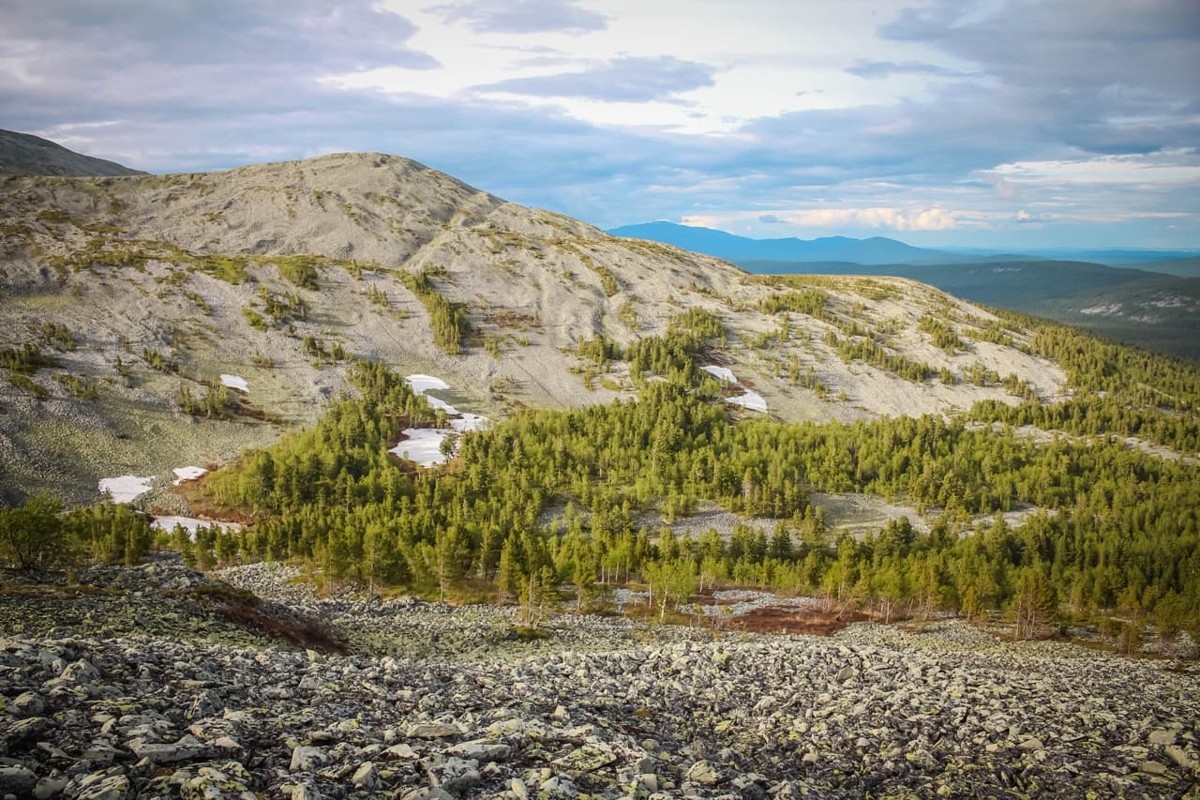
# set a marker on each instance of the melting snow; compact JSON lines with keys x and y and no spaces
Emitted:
{"x":235,"y":382}
{"x":423,"y":383}
{"x":187,"y":474}
{"x":468,"y":422}
{"x":423,"y":445}
{"x":720,"y":373}
{"x":1112,"y":309}
{"x":751,"y":400}
{"x":125,"y":488}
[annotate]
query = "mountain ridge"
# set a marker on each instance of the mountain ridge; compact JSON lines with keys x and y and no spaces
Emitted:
{"x":731,"y":247}
{"x":277,"y":273}
{"x":26,"y":154}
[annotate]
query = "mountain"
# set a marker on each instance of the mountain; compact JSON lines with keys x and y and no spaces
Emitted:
{"x":1116,"y":258}
{"x":740,"y":249}
{"x":125,"y":300}
{"x":25,"y":154}
{"x":1150,"y":309}
{"x":1179,"y":267}
{"x":1160,"y":310}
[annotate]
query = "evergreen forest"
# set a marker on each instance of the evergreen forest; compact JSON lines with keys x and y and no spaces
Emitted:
{"x":550,"y":498}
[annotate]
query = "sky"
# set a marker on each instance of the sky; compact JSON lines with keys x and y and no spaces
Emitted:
{"x":982,"y":123}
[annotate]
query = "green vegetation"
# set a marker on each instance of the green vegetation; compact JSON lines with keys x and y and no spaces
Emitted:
{"x":1117,"y":529}
{"x":301,"y":270}
{"x":37,"y":535}
{"x":1117,"y":390}
{"x":217,"y":402}
{"x":26,"y":359}
{"x":79,"y":387}
{"x":448,"y":320}
{"x":866,"y":350}
{"x":58,"y":335}
{"x":942,"y":333}
{"x":812,"y":302}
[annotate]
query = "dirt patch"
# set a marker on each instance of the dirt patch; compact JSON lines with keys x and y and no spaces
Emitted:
{"x":789,"y":621}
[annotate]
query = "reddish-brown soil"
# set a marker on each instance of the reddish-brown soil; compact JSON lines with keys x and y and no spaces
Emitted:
{"x":784,"y":620}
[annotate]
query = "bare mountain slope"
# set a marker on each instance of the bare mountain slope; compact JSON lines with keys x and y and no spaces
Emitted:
{"x":26,"y":154}
{"x":145,"y":290}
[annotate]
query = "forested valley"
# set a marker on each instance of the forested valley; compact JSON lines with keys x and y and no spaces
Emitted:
{"x":1116,"y":528}
{"x":548,"y":499}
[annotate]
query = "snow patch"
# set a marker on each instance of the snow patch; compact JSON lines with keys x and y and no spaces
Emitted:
{"x":423,"y":383}
{"x":126,"y":488}
{"x":1110,"y":310}
{"x":423,"y":445}
{"x":235,"y":382}
{"x":187,"y":474}
{"x":468,"y":422}
{"x":720,"y":373}
{"x":750,"y":400}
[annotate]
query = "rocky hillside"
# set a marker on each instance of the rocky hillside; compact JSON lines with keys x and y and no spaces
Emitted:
{"x":176,"y":695}
{"x":139,"y":293}
{"x":25,"y":154}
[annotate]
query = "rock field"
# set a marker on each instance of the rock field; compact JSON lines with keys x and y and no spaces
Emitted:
{"x":159,"y":682}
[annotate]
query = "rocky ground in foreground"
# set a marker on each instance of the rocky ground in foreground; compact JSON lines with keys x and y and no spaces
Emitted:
{"x":156,"y":681}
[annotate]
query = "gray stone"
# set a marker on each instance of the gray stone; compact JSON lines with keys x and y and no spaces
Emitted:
{"x":17,"y":780}
{"x":80,"y":671}
{"x":305,"y":791}
{"x":308,"y":759}
{"x":27,"y":704}
{"x":558,"y":788}
{"x":50,"y":787}
{"x":1032,"y":744}
{"x":454,"y":774}
{"x":103,"y":787}
{"x":481,"y":751}
{"x":1161,"y":737}
{"x":365,"y":777}
{"x":434,"y":730}
{"x":427,"y":793}
{"x":401,"y":751}
{"x":28,"y":729}
{"x":1153,"y":768}
{"x":702,"y":772}
{"x":1179,"y":756}
{"x":186,"y":749}
{"x":207,"y":704}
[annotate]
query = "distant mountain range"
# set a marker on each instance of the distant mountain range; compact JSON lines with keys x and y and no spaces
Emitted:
{"x":879,"y":250}
{"x":1148,"y":298}
{"x":739,"y":249}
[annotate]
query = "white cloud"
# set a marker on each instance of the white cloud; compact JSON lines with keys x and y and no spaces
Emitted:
{"x":1180,"y":167}
{"x":896,"y":219}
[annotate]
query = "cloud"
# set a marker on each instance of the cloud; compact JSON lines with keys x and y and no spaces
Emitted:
{"x":875,"y":70}
{"x":1103,"y":77}
{"x":521,"y":16}
{"x":630,"y":79}
{"x":1083,"y":115}
{"x":896,"y":219}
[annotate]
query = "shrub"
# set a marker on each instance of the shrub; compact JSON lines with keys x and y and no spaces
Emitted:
{"x":31,"y":535}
